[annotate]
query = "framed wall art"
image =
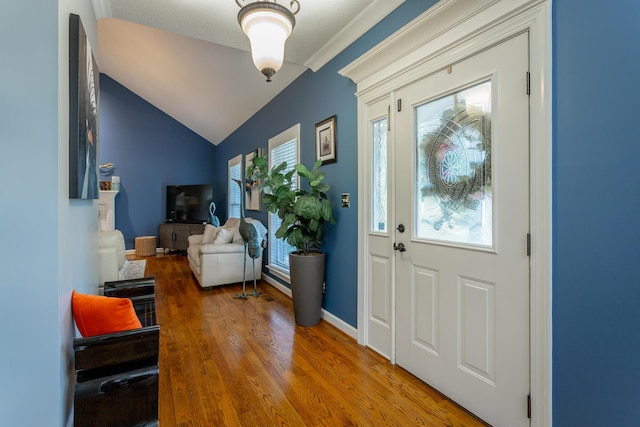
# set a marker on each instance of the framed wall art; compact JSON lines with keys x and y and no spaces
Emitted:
{"x":83,"y":114}
{"x":326,"y":140}
{"x":252,"y":199}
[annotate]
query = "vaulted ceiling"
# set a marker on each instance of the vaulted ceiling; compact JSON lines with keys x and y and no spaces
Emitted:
{"x":190,"y":59}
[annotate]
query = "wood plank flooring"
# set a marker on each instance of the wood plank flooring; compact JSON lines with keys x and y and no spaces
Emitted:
{"x":230,"y":362}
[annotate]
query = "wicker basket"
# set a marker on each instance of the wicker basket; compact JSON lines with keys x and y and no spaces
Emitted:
{"x":145,"y":246}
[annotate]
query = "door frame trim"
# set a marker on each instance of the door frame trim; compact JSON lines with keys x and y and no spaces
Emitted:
{"x":444,"y":33}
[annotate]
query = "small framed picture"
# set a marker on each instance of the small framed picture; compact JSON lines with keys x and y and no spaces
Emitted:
{"x":326,"y":140}
{"x":252,"y":199}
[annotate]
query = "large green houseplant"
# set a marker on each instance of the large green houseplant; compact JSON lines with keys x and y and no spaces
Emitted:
{"x":304,"y":211}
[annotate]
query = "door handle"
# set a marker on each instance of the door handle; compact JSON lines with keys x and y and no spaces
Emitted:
{"x":399,"y":247}
{"x":400,"y":228}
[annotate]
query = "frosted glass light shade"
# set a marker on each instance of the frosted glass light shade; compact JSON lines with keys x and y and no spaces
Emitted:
{"x":268,"y":26}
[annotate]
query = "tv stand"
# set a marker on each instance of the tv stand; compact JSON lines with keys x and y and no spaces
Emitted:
{"x":175,"y":236}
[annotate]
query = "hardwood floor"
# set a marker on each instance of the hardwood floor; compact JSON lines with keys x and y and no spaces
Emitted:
{"x":229,"y":362}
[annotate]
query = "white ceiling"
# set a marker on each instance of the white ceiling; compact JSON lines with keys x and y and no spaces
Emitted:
{"x":190,"y":59}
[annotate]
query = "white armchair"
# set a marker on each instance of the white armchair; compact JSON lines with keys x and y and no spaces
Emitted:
{"x":216,"y":257}
{"x":111,"y":256}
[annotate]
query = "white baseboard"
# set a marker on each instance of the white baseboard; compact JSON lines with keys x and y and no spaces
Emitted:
{"x":327,"y":316}
{"x":340,"y":324}
{"x":279,"y":286}
{"x":133,"y":251}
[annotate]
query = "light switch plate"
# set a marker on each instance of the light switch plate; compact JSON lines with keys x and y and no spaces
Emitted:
{"x":346,"y":200}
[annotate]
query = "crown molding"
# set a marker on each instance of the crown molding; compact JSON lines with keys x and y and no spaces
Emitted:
{"x":102,"y":9}
{"x":362,"y":23}
{"x":431,"y":25}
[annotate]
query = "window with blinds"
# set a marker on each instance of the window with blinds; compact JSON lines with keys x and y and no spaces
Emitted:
{"x":282,"y":148}
{"x":235,"y":172}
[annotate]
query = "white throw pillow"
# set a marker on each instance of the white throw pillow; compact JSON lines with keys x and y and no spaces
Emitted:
{"x":237,"y":238}
{"x":225,"y":235}
{"x":210,"y":234}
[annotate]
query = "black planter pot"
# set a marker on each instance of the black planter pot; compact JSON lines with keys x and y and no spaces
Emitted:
{"x":307,"y":277}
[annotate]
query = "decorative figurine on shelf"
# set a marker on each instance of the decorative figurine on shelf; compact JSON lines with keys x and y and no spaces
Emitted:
{"x":106,"y":171}
{"x":252,"y":245}
{"x":214,"y":219}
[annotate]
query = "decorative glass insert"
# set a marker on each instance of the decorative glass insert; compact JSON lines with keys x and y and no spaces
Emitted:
{"x":379,"y":220}
{"x":453,"y":170}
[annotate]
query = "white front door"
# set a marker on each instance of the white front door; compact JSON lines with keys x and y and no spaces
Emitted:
{"x":462,"y":268}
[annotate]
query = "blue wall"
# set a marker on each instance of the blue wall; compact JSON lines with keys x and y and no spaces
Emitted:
{"x":311,"y":98}
{"x":596,"y":289}
{"x":150,"y":150}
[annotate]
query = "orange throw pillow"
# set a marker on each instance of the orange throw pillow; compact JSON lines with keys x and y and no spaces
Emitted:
{"x":97,"y":315}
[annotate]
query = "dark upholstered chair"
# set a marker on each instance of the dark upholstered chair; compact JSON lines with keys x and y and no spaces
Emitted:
{"x":117,"y":373}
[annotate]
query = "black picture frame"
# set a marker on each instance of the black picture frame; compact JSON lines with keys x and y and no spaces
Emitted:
{"x":326,"y":143}
{"x":84,"y":89}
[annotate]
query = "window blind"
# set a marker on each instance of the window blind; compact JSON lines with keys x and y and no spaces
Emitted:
{"x":279,"y":249}
{"x":235,"y":172}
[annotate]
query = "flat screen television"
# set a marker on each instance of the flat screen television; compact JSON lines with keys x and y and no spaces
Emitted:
{"x":189,"y":203}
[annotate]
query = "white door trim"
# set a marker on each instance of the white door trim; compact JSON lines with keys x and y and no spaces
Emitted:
{"x":446,"y":32}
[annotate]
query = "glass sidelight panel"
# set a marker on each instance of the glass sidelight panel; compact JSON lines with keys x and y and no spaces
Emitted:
{"x":453,"y":169}
{"x":379,"y":132}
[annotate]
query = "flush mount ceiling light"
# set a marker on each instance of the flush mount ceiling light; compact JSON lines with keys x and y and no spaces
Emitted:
{"x":268,"y":25}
